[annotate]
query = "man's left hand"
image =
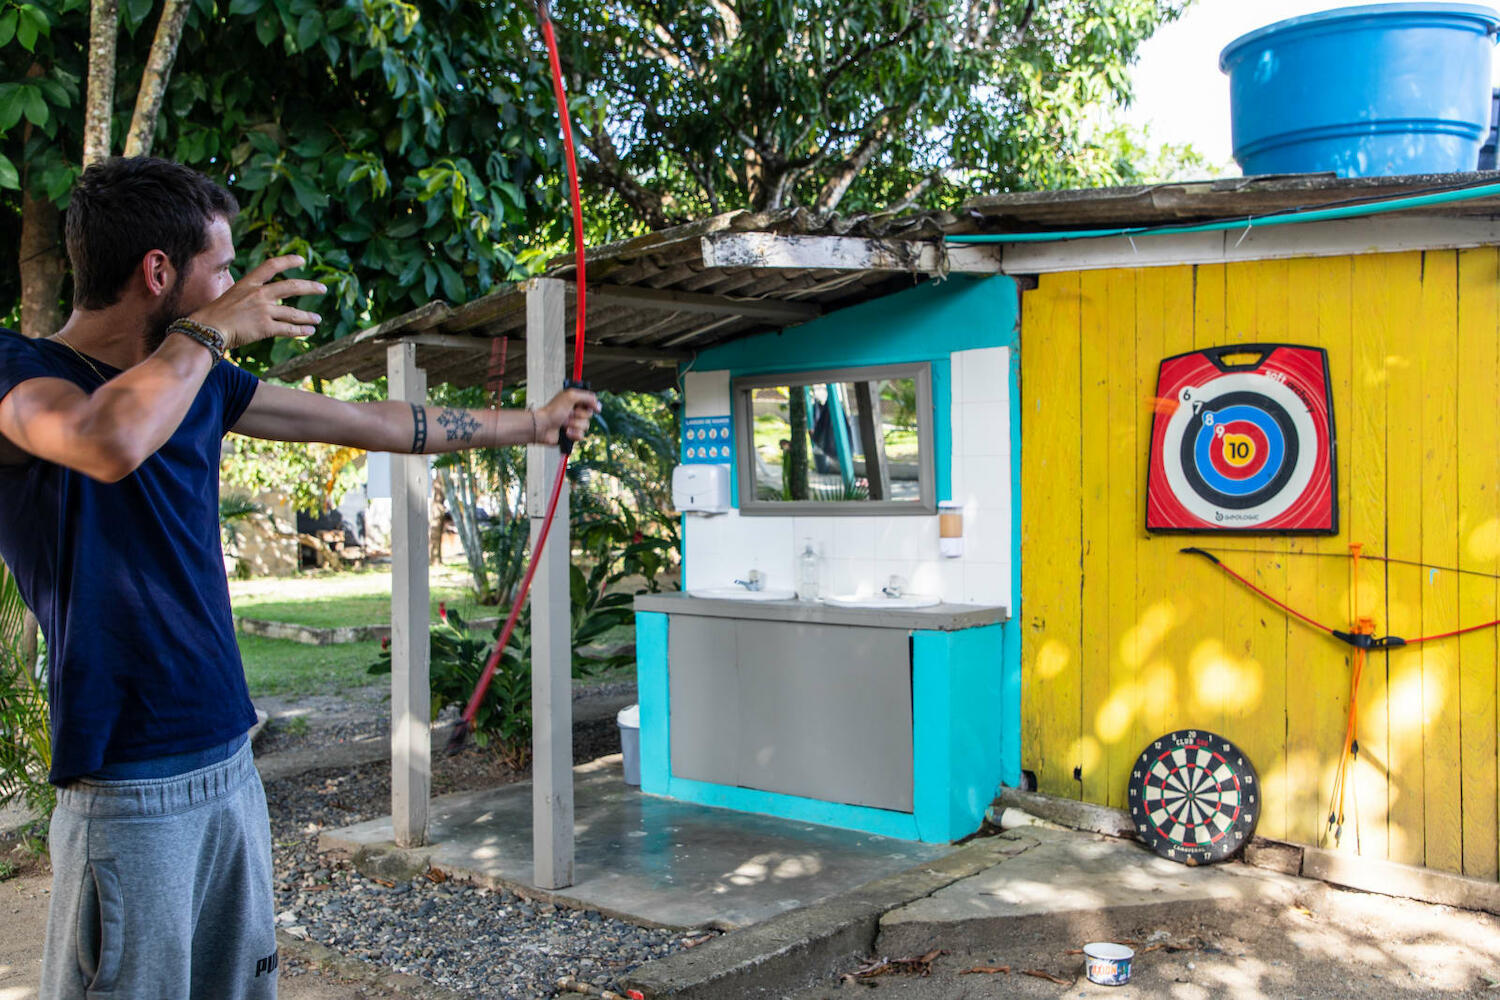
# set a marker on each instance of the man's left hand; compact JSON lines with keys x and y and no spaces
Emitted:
{"x":571,"y":409}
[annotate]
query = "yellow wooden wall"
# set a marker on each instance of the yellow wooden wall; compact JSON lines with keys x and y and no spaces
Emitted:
{"x":1125,"y":638}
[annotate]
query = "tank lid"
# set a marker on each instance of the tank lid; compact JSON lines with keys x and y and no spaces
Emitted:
{"x":1486,"y":16}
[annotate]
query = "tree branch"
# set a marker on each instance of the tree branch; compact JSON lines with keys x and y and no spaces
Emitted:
{"x":838,"y":184}
{"x":608,"y":169}
{"x":154,"y":80}
{"x":870,"y":48}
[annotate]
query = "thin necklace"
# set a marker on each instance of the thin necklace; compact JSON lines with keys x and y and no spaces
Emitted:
{"x":81,"y":357}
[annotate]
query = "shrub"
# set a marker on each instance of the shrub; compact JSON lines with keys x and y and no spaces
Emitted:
{"x":25,"y":730}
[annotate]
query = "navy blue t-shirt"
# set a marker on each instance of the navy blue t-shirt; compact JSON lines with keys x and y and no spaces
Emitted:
{"x":127,"y":580}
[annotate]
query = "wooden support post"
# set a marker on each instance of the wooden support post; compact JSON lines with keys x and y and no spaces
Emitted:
{"x":411,"y":694}
{"x":551,"y":616}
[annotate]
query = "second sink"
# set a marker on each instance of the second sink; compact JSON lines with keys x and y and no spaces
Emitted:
{"x":882,"y":601}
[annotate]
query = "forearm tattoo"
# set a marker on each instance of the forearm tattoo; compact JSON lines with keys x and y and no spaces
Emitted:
{"x":419,"y":428}
{"x":459,"y":424}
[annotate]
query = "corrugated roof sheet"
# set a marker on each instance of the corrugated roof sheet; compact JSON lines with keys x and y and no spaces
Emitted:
{"x":634,"y":344}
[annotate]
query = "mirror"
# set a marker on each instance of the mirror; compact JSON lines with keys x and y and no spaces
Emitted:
{"x":836,"y":442}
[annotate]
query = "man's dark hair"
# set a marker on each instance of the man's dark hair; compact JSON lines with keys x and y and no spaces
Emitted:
{"x":125,"y":207}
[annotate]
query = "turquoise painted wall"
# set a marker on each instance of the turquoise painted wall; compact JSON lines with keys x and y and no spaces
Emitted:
{"x":925,"y":323}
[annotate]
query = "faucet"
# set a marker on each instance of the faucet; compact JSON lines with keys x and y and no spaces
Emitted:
{"x":893,"y":588}
{"x":755,"y":581}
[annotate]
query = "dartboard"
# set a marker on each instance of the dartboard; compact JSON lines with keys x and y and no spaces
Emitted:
{"x":1243,"y":446}
{"x":1194,"y":797}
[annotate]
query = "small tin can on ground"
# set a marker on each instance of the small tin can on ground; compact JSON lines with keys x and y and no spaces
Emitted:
{"x":1106,"y":963}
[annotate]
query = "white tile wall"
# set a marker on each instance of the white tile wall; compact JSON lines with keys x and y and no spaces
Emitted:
{"x":860,"y":554}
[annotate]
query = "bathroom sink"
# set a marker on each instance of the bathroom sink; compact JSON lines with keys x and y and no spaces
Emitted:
{"x":883,"y":602}
{"x":741,"y":594}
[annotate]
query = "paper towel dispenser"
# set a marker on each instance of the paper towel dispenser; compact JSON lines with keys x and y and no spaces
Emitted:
{"x":701,"y":487}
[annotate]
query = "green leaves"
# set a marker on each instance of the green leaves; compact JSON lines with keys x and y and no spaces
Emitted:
{"x":845,"y":105}
{"x":24,"y":23}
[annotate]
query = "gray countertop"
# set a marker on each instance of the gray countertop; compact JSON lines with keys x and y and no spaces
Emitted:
{"x":939,"y":617}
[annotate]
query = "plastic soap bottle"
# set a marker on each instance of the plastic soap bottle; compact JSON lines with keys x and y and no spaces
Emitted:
{"x":807,"y":572}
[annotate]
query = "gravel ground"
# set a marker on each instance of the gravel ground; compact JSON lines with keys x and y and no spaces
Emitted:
{"x":463,"y":937}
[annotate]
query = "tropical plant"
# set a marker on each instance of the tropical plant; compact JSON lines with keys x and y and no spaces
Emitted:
{"x":25,"y":730}
{"x":458,"y":654}
{"x":233,"y":509}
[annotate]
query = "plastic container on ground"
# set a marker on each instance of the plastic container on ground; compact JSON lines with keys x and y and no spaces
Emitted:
{"x":1376,"y":90}
{"x":629,"y":721}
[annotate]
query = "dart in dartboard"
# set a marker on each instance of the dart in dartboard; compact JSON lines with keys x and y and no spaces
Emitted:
{"x":1194,"y":797}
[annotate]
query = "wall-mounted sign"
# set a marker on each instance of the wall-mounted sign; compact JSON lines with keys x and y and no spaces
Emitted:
{"x":706,"y":440}
{"x":1243,"y":441}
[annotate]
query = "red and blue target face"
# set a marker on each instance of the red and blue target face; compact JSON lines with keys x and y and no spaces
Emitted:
{"x":1245,"y":448}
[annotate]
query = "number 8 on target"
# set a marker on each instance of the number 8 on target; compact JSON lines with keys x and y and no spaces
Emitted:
{"x":1246,"y":443}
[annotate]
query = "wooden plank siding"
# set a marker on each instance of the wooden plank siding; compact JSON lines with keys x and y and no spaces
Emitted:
{"x":1125,"y":638}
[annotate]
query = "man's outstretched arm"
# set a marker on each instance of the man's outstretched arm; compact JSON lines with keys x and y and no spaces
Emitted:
{"x":107,"y":434}
{"x":278,"y":413}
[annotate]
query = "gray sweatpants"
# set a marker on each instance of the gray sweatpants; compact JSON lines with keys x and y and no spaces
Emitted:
{"x":161,"y":889}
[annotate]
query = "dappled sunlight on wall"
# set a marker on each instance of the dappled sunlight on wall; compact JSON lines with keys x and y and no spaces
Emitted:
{"x":1221,"y":683}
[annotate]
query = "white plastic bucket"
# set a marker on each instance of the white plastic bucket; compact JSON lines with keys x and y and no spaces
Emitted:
{"x":629,"y":721}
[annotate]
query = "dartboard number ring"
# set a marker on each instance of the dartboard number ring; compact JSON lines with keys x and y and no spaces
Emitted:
{"x":1194,"y":797}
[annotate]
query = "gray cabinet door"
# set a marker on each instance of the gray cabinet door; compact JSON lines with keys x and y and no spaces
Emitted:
{"x":821,"y":711}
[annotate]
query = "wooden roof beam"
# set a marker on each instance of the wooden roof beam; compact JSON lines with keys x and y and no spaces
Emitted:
{"x":846,"y":253}
{"x":671,"y":300}
{"x":599,"y":352}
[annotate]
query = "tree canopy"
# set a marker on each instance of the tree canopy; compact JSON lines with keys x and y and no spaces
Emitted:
{"x":408,"y":148}
{"x":856,"y":105}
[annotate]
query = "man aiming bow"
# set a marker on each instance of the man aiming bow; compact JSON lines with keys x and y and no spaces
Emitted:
{"x":110,"y":433}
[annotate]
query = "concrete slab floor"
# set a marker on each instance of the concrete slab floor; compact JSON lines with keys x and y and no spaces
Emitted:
{"x":652,"y":859}
{"x":1072,"y":878}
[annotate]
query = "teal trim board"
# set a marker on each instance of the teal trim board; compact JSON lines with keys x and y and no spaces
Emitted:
{"x":652,"y":693}
{"x":1010,"y":677}
{"x":956,"y":683}
{"x":883,"y":822}
{"x":942,"y":426}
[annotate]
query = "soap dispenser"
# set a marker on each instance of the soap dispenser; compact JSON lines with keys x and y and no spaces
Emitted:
{"x":808,"y":572}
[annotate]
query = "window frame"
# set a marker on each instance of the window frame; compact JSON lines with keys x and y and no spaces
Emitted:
{"x":752,"y":506}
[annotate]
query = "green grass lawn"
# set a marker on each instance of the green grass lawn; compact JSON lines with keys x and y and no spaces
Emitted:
{"x":283,"y":667}
{"x":351,"y":597}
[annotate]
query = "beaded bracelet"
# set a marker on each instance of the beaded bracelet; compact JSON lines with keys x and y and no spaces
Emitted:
{"x":205,"y":335}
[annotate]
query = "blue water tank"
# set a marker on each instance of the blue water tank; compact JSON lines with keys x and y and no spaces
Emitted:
{"x":1396,"y":88}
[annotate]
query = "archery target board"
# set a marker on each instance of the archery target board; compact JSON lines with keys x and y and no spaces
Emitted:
{"x":1194,"y":797}
{"x":1243,"y":441}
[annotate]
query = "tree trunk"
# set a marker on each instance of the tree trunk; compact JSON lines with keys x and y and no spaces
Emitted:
{"x":42,"y":266}
{"x":29,"y":633}
{"x":154,"y":80}
{"x":104,"y":23}
{"x":797,"y":453}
